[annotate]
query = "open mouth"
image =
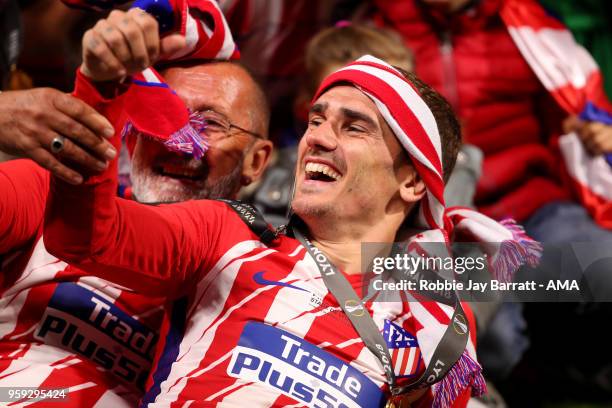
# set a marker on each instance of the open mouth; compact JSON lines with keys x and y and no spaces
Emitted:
{"x":180,"y":172}
{"x":321,"y":172}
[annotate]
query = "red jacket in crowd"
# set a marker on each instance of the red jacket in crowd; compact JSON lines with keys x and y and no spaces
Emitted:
{"x":504,"y":110}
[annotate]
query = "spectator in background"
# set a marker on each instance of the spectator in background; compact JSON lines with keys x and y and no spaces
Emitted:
{"x":331,"y":48}
{"x":464,"y":50}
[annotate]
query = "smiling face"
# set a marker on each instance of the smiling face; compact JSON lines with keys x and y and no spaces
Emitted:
{"x":350,"y":165}
{"x":159,"y":175}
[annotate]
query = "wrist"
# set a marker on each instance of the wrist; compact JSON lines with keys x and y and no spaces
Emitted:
{"x":107,"y":89}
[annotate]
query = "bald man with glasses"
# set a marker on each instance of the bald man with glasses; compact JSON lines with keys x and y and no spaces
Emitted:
{"x":230,"y":109}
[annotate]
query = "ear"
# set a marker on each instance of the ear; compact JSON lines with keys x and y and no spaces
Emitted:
{"x":256,"y":161}
{"x":412,"y":187}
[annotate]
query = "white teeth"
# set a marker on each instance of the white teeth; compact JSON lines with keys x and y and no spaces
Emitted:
{"x":321,"y":168}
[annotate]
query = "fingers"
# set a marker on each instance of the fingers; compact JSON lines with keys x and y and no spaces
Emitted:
{"x":84,"y":126}
{"x":75,"y":154}
{"x":133,"y":37}
{"x":114,"y":41}
{"x":85,"y":114}
{"x":572,"y":124}
{"x":85,"y":132}
{"x":99,"y":62}
{"x":72,"y":153}
{"x":150,"y":30}
{"x":171,"y":44}
{"x":51,"y":163}
{"x":124,"y":43}
{"x":596,"y":137}
{"x":81,"y":136}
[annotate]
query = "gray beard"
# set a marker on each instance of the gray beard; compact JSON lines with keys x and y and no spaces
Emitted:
{"x":149,"y":187}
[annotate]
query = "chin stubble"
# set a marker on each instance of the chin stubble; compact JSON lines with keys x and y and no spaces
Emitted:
{"x":149,"y":187}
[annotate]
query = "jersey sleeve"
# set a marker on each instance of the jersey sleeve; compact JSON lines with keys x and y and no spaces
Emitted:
{"x":23,"y":190}
{"x":153,"y":249}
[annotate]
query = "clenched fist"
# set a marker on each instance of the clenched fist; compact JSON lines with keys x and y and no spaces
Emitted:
{"x":123,"y":44}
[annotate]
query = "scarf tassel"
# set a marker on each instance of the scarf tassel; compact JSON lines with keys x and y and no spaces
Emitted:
{"x":185,"y":140}
{"x":514,"y":253}
{"x":465,"y":373}
{"x":188,"y":140}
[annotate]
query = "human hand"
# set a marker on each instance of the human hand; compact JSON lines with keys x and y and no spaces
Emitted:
{"x":123,"y":44}
{"x":596,"y":136}
{"x":30,"y":120}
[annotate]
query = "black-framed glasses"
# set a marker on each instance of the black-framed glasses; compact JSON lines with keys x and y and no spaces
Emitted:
{"x":215,"y":125}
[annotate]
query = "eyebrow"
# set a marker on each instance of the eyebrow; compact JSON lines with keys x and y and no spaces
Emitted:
{"x":320,"y":108}
{"x":354,"y":115}
{"x":219,"y":110}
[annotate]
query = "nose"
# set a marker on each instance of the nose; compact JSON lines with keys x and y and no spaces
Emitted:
{"x":323,"y":137}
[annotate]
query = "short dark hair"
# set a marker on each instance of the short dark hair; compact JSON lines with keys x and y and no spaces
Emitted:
{"x":446,"y":120}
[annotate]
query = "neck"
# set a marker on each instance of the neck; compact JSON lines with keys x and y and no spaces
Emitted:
{"x":341,"y":240}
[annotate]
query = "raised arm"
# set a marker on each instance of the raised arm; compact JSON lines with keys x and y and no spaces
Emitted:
{"x":156,"y":250}
{"x":153,"y":249}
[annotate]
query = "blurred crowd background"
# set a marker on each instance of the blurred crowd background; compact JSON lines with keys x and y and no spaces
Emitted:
{"x":290,"y":45}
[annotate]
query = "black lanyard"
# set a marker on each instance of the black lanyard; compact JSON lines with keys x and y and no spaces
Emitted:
{"x":447,"y":352}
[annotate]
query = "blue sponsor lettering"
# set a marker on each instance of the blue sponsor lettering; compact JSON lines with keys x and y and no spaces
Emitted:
{"x":300,"y":370}
{"x":79,"y":320}
{"x":107,"y":317}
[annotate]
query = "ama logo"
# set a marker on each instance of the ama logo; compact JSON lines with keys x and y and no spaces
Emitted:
{"x":404,"y":350}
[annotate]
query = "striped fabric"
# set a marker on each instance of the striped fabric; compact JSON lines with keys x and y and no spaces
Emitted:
{"x":47,"y":341}
{"x":207,"y":36}
{"x":573,"y":79}
{"x":280,"y":286}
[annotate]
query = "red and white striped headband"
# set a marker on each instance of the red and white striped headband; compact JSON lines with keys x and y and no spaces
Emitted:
{"x":409,"y":118}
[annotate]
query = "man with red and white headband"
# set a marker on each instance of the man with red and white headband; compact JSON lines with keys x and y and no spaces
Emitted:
{"x":259,"y":318}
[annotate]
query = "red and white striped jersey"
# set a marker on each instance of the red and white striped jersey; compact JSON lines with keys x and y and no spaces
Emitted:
{"x":263,"y":330}
{"x":249,"y":324}
{"x":245,"y":324}
{"x":60,"y":328}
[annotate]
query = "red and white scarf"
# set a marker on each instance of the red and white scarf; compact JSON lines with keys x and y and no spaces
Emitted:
{"x":151,"y":107}
{"x":573,"y":79}
{"x":506,"y":245}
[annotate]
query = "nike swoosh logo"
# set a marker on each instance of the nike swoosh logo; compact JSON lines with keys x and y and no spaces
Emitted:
{"x":258,"y":277}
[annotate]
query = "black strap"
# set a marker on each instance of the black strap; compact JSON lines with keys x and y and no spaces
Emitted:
{"x":253,"y":219}
{"x":447,"y":352}
{"x":352,"y":306}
